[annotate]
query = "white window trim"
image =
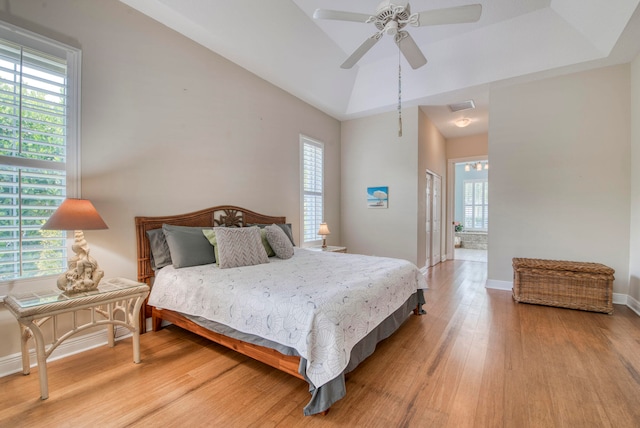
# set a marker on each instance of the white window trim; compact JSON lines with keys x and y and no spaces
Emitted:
{"x":73,"y":168}
{"x":309,"y":140}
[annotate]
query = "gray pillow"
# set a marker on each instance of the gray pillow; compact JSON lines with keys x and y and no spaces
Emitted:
{"x":286,"y":227}
{"x":239,"y":247}
{"x":188,"y":246}
{"x":279,"y":241}
{"x":160,"y":254}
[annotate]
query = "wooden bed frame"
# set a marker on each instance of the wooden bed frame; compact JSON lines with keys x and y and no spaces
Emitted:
{"x":224,"y":215}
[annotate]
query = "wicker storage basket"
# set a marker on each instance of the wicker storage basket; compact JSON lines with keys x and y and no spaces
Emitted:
{"x":575,"y":285}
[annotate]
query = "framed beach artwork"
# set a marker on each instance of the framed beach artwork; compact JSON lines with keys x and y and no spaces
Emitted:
{"x":378,"y":197}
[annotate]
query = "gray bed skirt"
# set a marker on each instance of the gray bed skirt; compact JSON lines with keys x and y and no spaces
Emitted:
{"x":322,"y":398}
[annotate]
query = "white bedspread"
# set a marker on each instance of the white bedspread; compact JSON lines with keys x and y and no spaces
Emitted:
{"x":319,"y":303}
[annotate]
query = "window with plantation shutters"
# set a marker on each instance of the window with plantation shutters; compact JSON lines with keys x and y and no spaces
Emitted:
{"x":312,"y":188}
{"x":38,"y":133}
{"x":476,"y":204}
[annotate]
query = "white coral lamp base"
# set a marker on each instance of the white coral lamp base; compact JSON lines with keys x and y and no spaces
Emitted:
{"x":84,"y":273}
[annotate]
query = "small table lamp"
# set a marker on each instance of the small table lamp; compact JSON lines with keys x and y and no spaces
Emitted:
{"x":324,"y":231}
{"x":78,"y":215}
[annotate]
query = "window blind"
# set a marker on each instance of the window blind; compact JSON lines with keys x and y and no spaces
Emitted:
{"x":313,"y":188}
{"x":33,"y":159}
{"x":476,"y":204}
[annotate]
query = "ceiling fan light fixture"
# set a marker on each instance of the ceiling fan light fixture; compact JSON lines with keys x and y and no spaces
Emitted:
{"x":463,"y":122}
{"x":391,"y":17}
{"x":391,"y":29}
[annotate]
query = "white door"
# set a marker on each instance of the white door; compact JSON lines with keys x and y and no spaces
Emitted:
{"x":428,"y":220}
{"x":433,"y":225}
{"x":436,"y":220}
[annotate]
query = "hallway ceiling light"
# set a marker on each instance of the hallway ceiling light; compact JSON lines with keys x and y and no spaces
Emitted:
{"x":462,"y":122}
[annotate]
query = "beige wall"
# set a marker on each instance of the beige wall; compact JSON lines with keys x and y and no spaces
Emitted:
{"x":634,"y":234}
{"x":560,"y":171}
{"x":170,"y":127}
{"x":470,"y":146}
{"x":374,"y":155}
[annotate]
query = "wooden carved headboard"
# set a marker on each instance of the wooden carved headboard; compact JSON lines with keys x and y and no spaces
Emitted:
{"x":224,"y":215}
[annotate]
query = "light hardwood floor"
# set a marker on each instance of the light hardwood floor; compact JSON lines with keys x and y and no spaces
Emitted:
{"x":476,"y":359}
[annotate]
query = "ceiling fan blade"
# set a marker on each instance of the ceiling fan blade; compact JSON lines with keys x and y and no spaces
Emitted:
{"x":340,"y":15}
{"x":410,"y":50}
{"x":451,"y":15}
{"x":363,"y":49}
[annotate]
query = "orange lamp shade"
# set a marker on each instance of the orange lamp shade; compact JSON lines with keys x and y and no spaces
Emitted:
{"x":75,"y":214}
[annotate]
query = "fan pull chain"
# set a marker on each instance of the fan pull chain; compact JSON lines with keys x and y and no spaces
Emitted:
{"x":399,"y":95}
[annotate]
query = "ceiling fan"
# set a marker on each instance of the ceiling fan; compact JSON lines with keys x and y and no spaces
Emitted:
{"x":391,"y":18}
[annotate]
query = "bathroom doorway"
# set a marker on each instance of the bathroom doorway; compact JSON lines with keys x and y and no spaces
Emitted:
{"x":470,"y":222}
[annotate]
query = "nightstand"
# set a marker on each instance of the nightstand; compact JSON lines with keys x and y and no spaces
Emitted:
{"x":329,"y":248}
{"x":116,"y":302}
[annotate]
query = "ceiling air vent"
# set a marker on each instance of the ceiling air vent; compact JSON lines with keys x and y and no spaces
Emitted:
{"x":464,"y":105}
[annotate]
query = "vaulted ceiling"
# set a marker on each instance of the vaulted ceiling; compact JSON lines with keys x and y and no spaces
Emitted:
{"x":280,"y":41}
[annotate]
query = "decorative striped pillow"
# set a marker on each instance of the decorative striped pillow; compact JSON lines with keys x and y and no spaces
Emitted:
{"x":239,"y":247}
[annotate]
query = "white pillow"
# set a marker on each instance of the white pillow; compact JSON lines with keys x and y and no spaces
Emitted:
{"x":279,"y":241}
{"x":239,"y":247}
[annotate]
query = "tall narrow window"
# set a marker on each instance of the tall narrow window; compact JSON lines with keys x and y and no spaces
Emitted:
{"x":312,"y":163}
{"x":38,"y":132}
{"x":476,"y":204}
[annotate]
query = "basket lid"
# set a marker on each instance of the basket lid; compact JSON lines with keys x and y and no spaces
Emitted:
{"x":562,"y":265}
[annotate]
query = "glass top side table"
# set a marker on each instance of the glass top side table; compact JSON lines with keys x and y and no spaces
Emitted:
{"x":116,"y":302}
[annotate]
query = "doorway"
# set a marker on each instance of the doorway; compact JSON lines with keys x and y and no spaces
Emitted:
{"x":433,"y":219}
{"x":470,"y":223}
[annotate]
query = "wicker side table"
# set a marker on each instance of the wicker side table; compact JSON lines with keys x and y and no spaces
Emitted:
{"x":565,"y":284}
{"x":113,"y":297}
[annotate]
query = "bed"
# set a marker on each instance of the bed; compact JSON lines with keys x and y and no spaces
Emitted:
{"x":314,"y":315}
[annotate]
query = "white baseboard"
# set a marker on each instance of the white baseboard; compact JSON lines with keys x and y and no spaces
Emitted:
{"x":13,"y":363}
{"x":499,"y":285}
{"x":633,"y":304}
{"x":619,"y":298}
